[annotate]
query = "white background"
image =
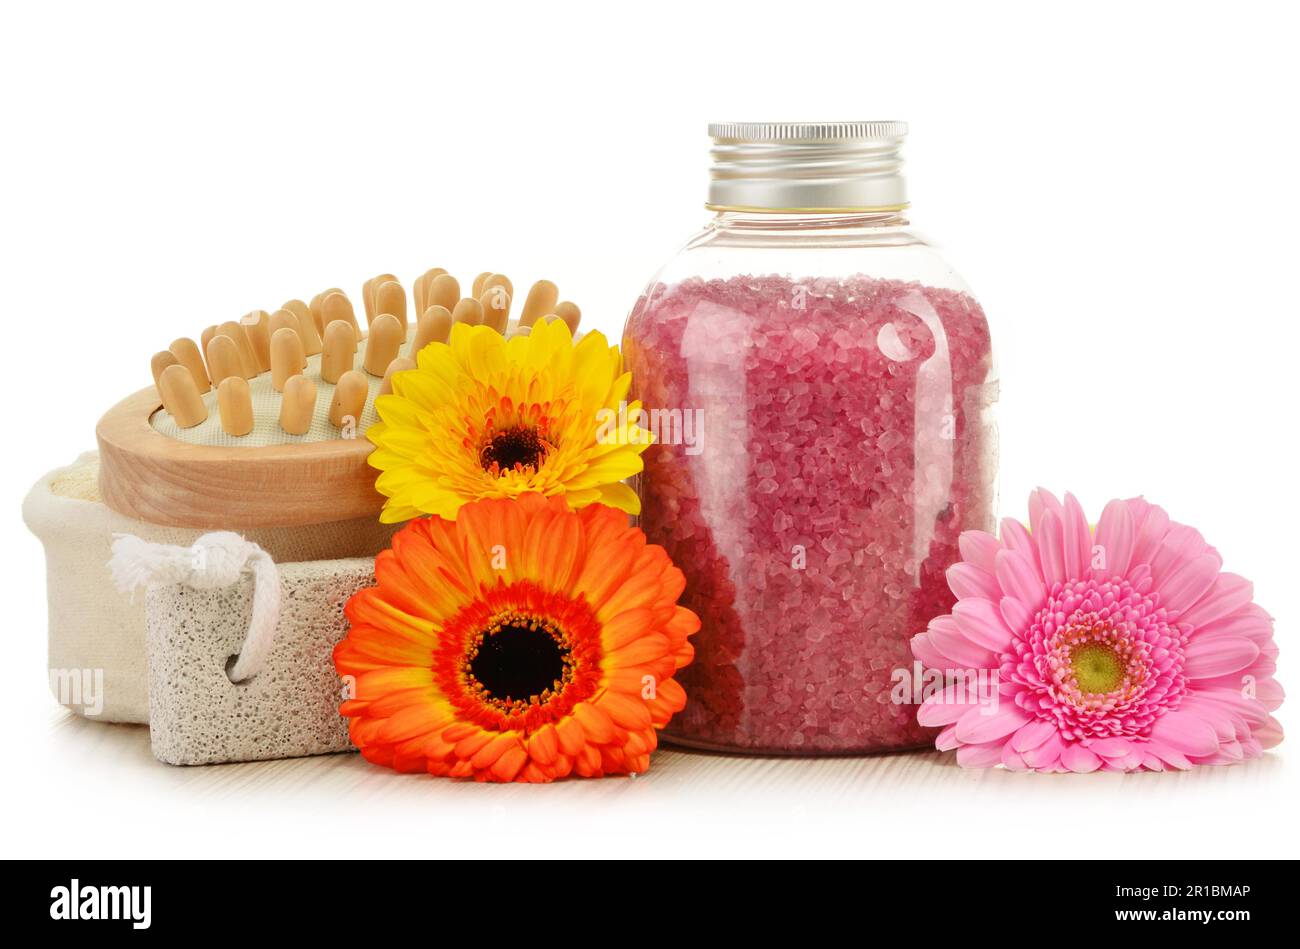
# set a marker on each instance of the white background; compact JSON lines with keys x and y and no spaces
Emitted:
{"x":1118,"y":182}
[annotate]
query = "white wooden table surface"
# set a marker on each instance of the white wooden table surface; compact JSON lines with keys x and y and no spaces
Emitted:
{"x":115,"y":800}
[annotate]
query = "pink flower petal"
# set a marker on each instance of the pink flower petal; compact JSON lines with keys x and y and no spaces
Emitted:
{"x":1078,"y":537}
{"x":949,"y":640}
{"x":946,"y":740}
{"x":1169,"y":755}
{"x":1015,"y":614}
{"x":1050,"y":535}
{"x":1115,"y":537}
{"x":1270,"y":735}
{"x":1041,"y":502}
{"x":1218,"y":758}
{"x":1016,"y":537}
{"x":978,"y":548}
{"x":975,"y":727}
{"x":1011,"y":759}
{"x":1249,"y":625}
{"x":1152,"y":524}
{"x":1033,"y":734}
{"x":926,"y":654}
{"x":1079,"y":759}
{"x":1185,"y":732}
{"x":981,"y":622}
{"x":1188,"y":582}
{"x":980,"y":756}
{"x":1228,"y":594}
{"x":1250,"y":710}
{"x":1045,"y":756}
{"x":1133,"y":760}
{"x":1232,"y":750}
{"x":968,"y":580}
{"x":1217,"y":656}
{"x":1180,"y":545}
{"x":1017,"y":578}
{"x":1221,"y":719}
{"x":939,"y":710}
{"x":1112,"y":747}
{"x":1270,"y":694}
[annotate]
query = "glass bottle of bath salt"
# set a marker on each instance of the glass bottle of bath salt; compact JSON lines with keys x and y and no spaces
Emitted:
{"x":820,"y":385}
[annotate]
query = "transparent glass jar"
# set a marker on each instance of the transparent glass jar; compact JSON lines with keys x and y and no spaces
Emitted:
{"x":820,"y":385}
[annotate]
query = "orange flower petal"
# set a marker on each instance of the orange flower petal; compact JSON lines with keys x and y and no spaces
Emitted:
{"x":471,"y":745}
{"x":493,"y":750}
{"x":626,"y":712}
{"x":598,"y":726}
{"x":641,"y":651}
{"x":625,"y":628}
{"x":573,"y":738}
{"x":511,"y":762}
{"x":544,"y":745}
{"x":669,"y":699}
{"x":409,"y":722}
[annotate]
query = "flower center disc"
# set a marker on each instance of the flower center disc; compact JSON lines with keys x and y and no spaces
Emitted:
{"x":519,"y":661}
{"x":1097,"y":667}
{"x":514,"y":449}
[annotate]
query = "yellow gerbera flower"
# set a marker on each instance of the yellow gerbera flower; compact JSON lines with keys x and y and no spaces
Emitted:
{"x":486,"y":417}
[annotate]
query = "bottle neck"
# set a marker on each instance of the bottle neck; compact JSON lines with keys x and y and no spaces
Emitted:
{"x":808,"y":220}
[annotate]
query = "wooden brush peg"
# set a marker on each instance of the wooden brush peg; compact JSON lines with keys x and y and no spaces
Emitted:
{"x":286,"y":320}
{"x":496,"y":308}
{"x":444,"y":290}
{"x":287,"y":359}
{"x":307,"y":330}
{"x":337,"y":355}
{"x":498,"y":280}
{"x":204,"y":338}
{"x":420,"y":289}
{"x":235,"y":406}
{"x":223,"y":359}
{"x":315,"y":307}
{"x":468,"y":311}
{"x":161,"y":361}
{"x":386,"y":338}
{"x":337,"y":306}
{"x":570,"y":313}
{"x":282,"y":319}
{"x":400,"y":364}
{"x":257,"y":327}
{"x":349,"y":398}
{"x":390,"y":298}
{"x":235,"y":332}
{"x":434,"y":327}
{"x":541,"y":300}
{"x":368,"y":295}
{"x":476,"y":288}
{"x":188,"y":355}
{"x":180,"y":396}
{"x":298,"y":406}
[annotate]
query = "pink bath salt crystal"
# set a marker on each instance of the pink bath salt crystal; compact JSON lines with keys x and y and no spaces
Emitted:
{"x":843,"y":449}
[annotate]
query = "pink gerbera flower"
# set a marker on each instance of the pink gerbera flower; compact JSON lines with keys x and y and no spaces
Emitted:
{"x":1123,"y":648}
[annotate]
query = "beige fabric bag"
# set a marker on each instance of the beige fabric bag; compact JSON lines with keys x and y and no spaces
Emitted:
{"x":97,"y":652}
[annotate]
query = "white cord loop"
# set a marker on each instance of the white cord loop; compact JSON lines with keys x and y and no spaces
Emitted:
{"x":215,"y":561}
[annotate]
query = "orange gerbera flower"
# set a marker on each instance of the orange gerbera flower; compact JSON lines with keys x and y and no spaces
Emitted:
{"x":521,"y":642}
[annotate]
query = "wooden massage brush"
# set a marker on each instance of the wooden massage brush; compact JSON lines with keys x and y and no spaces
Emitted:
{"x":258,"y":424}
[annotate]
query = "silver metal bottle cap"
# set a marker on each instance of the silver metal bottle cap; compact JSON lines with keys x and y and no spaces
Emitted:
{"x":807,"y":166}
